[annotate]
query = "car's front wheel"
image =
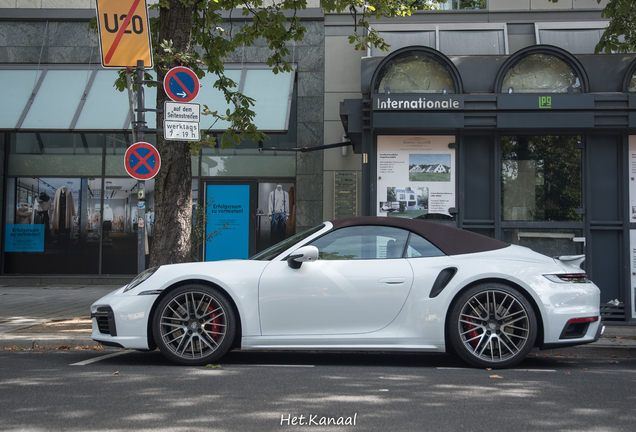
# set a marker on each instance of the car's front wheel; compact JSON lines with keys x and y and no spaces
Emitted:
{"x":492,"y":325}
{"x":194,"y":325}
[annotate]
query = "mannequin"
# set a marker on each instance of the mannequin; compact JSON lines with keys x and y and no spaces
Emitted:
{"x":107,"y":221}
{"x":278,"y":204}
{"x":41,"y":210}
{"x":63,"y":210}
{"x":23,"y":214}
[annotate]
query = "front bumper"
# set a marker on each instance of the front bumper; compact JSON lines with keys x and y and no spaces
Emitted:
{"x":121,"y":319}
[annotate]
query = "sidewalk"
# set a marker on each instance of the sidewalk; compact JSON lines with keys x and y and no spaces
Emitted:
{"x":54,"y":316}
{"x":49,"y":316}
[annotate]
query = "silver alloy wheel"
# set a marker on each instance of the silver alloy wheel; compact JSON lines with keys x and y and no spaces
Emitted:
{"x":494,"y":326}
{"x":193,"y":325}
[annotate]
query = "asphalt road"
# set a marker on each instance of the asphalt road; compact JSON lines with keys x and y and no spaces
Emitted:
{"x":134,"y":391}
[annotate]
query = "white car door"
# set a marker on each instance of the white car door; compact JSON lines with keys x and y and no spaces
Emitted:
{"x":358,"y":285}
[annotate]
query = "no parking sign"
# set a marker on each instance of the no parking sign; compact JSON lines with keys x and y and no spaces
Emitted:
{"x":181,"y":84}
{"x":142,"y":161}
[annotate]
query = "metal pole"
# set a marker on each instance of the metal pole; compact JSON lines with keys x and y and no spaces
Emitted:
{"x":131,"y":103}
{"x":141,"y":185}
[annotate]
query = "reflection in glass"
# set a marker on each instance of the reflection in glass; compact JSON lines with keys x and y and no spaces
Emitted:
{"x":416,"y":73}
{"x":550,"y":242}
{"x":451,"y":4}
{"x":46,"y":227}
{"x":55,"y":154}
{"x":632,"y":84}
{"x":118,"y":221}
{"x":540,"y":178}
{"x":541,"y":73}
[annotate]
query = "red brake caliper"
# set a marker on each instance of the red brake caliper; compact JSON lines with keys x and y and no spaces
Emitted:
{"x":215,"y":321}
{"x":472,"y":334}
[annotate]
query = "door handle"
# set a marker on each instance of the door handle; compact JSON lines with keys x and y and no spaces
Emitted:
{"x":393,"y":281}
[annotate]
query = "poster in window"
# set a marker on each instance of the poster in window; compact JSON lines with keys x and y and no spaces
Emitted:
{"x":227,"y":222}
{"x":24,"y":238}
{"x":632,"y":179}
{"x":416,"y":176}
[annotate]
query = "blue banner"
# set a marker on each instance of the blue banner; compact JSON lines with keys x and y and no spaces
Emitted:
{"x":228,"y":216}
{"x":24,"y":238}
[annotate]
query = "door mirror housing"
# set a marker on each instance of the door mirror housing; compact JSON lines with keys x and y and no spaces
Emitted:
{"x":301,"y":255}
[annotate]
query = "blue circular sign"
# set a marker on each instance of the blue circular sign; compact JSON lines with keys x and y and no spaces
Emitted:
{"x":181,"y":84}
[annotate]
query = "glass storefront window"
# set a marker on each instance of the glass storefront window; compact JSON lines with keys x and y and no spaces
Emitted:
{"x":416,"y":73}
{"x":540,"y":178}
{"x":119,"y":223}
{"x":457,"y":4}
{"x":216,"y":162}
{"x":550,"y":242}
{"x":46,"y":227}
{"x":540,"y":73}
{"x":55,"y":154}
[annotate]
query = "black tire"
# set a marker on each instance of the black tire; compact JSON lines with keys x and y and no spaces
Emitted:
{"x":492,"y":325}
{"x":194,"y":325}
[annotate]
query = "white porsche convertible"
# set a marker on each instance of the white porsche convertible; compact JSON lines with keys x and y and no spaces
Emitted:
{"x":365,"y":284}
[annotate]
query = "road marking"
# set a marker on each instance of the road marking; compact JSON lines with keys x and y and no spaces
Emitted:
{"x":272,"y":365}
{"x":516,"y":370}
{"x":96,"y":359}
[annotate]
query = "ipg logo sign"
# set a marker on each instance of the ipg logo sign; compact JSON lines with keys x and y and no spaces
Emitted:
{"x":545,"y":102}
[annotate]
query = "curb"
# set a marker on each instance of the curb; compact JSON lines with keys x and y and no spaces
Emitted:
{"x":603,"y":349}
{"x":47,"y":342}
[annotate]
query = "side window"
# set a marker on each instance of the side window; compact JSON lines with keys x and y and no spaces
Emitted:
{"x":420,"y":247}
{"x":362,"y":242}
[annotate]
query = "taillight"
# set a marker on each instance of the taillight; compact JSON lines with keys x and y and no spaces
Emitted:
{"x":567,"y":278}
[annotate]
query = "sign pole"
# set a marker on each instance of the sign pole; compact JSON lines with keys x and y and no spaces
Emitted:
{"x":141,"y":184}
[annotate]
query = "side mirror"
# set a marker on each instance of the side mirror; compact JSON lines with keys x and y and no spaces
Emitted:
{"x":301,"y":255}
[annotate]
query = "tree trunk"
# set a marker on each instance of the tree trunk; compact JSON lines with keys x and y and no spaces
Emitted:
{"x":173,"y":183}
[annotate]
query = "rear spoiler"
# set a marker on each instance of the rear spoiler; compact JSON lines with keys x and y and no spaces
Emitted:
{"x":576,"y":260}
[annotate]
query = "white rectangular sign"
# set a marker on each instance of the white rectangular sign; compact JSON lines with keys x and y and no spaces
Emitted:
{"x":181,"y":131}
{"x":181,"y":121}
{"x":184,"y":112}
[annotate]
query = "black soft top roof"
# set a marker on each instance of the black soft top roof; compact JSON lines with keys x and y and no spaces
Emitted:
{"x":450,"y":240}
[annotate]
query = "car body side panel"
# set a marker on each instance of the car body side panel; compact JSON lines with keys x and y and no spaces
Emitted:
{"x":329,"y":297}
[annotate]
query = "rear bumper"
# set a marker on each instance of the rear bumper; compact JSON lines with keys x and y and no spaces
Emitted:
{"x":574,"y":342}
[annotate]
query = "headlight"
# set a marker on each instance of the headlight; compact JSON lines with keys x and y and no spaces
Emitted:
{"x":567,"y":278}
{"x":141,"y":277}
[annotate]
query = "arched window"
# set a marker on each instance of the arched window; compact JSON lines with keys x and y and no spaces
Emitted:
{"x":542,"y":69}
{"x":417,"y":70}
{"x":629,"y":81}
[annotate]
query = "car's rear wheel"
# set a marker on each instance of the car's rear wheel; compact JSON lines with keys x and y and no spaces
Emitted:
{"x":194,"y":325}
{"x":492,"y":325}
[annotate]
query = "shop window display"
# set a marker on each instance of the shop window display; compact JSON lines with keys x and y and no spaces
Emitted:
{"x":45,"y":229}
{"x":120,"y":222}
{"x":276,"y":213}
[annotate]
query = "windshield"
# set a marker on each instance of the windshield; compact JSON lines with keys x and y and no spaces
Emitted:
{"x":273,"y":251}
